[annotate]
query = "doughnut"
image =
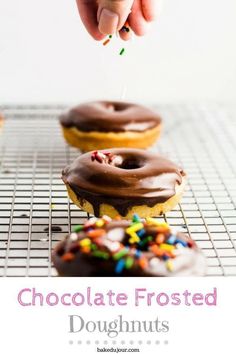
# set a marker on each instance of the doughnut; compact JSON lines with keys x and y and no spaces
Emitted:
{"x":102,"y":247}
{"x":1,"y":121}
{"x":122,"y":182}
{"x":102,"y":125}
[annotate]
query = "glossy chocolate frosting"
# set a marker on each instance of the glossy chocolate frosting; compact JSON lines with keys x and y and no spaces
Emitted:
{"x":185,"y":260}
{"x":106,"y":116}
{"x":133,"y":177}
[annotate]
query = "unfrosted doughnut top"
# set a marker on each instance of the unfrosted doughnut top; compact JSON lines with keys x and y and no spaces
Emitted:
{"x":122,"y":178}
{"x":102,"y":247}
{"x":105,"y":116}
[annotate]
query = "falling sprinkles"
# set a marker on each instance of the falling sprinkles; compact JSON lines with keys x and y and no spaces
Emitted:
{"x":108,"y":39}
{"x":122,"y":51}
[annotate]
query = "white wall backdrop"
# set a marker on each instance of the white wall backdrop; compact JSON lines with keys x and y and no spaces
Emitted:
{"x":47,"y":56}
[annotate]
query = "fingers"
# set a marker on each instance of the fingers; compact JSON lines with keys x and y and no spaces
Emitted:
{"x":103,"y":17}
{"x":149,"y":9}
{"x":88,"y":13}
{"x":108,"y":21}
{"x":126,"y":36}
{"x":112,"y":14}
{"x":143,"y":12}
{"x":137,"y":20}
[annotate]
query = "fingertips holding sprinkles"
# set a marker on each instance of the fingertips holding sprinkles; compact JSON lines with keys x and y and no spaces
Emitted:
{"x":126,"y":27}
{"x":106,"y":247}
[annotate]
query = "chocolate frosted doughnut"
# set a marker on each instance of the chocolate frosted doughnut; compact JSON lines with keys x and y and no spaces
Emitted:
{"x":127,"y":248}
{"x":99,"y":125}
{"x":110,"y":116}
{"x":1,"y":121}
{"x":123,"y":182}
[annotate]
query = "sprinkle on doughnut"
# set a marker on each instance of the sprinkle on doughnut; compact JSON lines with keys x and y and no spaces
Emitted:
{"x":138,"y":244}
{"x":101,"y":157}
{"x":68,"y":257}
{"x":78,"y":228}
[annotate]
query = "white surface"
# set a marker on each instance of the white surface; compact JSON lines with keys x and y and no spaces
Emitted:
{"x":46,"y":55}
{"x":193,"y":329}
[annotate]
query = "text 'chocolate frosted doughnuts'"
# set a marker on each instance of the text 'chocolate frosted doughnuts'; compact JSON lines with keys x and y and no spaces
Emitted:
{"x":122,"y":178}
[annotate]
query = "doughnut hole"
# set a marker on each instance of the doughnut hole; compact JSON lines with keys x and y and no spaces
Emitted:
{"x":128,"y":163}
{"x":116,"y":106}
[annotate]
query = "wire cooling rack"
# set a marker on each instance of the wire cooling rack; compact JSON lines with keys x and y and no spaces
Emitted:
{"x":35,"y":212}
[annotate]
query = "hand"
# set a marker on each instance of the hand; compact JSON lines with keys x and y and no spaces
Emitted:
{"x":104,"y":17}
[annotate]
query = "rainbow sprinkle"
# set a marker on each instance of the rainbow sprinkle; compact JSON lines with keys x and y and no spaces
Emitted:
{"x":140,"y":238}
{"x":125,"y":29}
{"x":106,"y":42}
{"x":101,"y":157}
{"x":120,"y":266}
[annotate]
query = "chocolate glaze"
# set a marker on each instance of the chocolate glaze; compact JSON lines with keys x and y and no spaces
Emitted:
{"x":189,"y":261}
{"x":135,"y":177}
{"x":107,"y":116}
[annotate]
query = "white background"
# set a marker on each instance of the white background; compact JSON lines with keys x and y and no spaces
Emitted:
{"x":47,"y":56}
{"x":194,"y":329}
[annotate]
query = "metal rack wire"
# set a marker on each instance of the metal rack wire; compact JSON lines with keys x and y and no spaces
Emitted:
{"x":35,"y":212}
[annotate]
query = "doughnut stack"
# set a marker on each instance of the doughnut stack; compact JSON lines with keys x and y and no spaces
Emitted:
{"x":125,"y":187}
